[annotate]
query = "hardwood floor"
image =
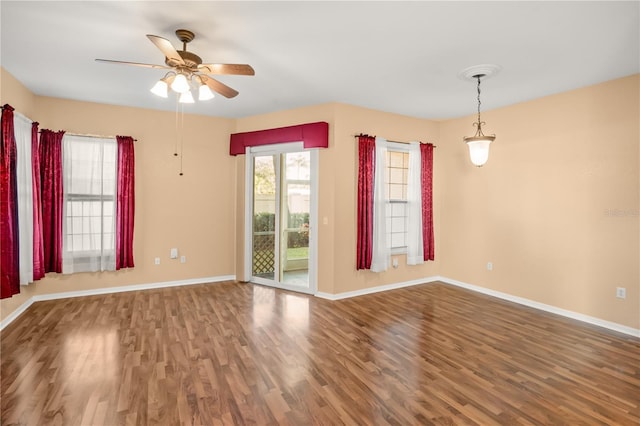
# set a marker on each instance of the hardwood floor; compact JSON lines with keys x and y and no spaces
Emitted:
{"x":232,"y":353}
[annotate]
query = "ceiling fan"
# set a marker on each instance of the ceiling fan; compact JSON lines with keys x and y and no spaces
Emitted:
{"x":186,"y":68}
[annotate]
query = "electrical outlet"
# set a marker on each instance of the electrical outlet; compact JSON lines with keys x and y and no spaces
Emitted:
{"x":394,"y":262}
{"x":621,"y":292}
{"x":174,"y":253}
{"x":157,"y":260}
{"x":489,"y":266}
{"x":183,"y":259}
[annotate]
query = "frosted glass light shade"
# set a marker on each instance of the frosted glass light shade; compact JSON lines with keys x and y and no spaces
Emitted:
{"x":204,"y":93}
{"x":180,"y":84}
{"x":160,"y":89}
{"x":186,"y":98}
{"x":479,"y":149}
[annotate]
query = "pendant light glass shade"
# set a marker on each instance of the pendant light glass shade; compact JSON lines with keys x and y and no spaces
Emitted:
{"x":180,"y":84}
{"x":479,"y":149}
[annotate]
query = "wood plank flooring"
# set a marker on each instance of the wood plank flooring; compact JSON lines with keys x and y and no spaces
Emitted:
{"x":241,"y":354}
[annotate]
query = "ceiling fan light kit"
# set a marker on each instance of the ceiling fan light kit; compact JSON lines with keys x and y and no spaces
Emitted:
{"x":186,"y":70}
{"x":160,"y":89}
{"x":479,"y":143}
{"x":180,"y":84}
{"x":186,"y":97}
{"x":204,"y":93}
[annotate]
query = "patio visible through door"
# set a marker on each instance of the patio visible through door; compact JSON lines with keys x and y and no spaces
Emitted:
{"x":281,"y":202}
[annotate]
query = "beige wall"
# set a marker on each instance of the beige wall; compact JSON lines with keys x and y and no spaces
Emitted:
{"x":190,"y":212}
{"x":22,"y":100}
{"x":556,"y":208}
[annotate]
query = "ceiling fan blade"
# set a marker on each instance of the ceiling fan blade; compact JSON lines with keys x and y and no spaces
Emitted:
{"x":221,"y":88}
{"x":137,"y":64}
{"x":165,"y":46}
{"x":226,"y":69}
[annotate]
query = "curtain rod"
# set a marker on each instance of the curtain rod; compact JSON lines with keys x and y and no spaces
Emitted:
{"x":67,"y":133}
{"x":421,"y":143}
{"x":87,"y":135}
{"x":18,"y":113}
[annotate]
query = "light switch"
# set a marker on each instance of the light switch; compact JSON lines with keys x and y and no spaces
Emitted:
{"x":174,"y":253}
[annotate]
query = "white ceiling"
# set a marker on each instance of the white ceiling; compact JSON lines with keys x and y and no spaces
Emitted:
{"x":401,"y":57}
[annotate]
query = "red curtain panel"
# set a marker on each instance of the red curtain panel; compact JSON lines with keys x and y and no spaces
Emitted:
{"x":366,"y":168}
{"x":38,"y":247}
{"x":9,"y":272}
{"x":51,"y":196}
{"x":125,"y":209}
{"x":426,"y":154}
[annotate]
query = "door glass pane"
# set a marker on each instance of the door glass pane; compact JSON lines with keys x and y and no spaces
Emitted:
{"x":294,"y":221}
{"x":264,"y":217}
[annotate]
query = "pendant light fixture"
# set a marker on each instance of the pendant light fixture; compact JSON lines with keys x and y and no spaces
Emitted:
{"x":479,"y":143}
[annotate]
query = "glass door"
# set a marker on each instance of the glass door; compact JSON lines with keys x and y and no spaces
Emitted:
{"x":264,"y":217}
{"x":295,"y":203}
{"x":281,"y":201}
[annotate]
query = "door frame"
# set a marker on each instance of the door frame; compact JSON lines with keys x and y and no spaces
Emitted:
{"x":277,"y":149}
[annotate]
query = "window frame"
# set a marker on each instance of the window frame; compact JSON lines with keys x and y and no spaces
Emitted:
{"x":404,"y":149}
{"x":83,"y":256}
{"x":79,"y":254}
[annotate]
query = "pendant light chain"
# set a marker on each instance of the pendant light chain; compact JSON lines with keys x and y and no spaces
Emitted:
{"x":479,"y":102}
{"x":479,"y":123}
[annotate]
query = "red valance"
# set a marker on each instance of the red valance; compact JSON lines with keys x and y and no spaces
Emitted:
{"x":313,"y":135}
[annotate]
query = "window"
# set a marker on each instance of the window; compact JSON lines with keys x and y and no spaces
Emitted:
{"x":89,"y":165}
{"x":394,"y":202}
{"x":396,"y":177}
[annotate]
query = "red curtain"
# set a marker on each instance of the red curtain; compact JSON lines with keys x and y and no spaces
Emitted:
{"x":9,"y":250}
{"x":366,"y":169}
{"x":426,"y":154}
{"x":38,"y":247}
{"x":50,"y":154}
{"x":125,"y":209}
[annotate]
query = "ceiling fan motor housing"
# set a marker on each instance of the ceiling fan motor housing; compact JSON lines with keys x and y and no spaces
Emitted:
{"x":191,"y":59}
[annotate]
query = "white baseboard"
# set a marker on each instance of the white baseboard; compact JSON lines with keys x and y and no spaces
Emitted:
{"x":15,"y":314}
{"x":370,"y":290}
{"x":544,"y":307}
{"x":504,"y":296}
{"x":65,"y":295}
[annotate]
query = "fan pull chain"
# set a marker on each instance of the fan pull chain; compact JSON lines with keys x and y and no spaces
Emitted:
{"x":181,"y":137}
{"x":175,"y":149}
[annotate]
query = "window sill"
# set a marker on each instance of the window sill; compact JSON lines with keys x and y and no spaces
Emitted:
{"x":397,"y":251}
